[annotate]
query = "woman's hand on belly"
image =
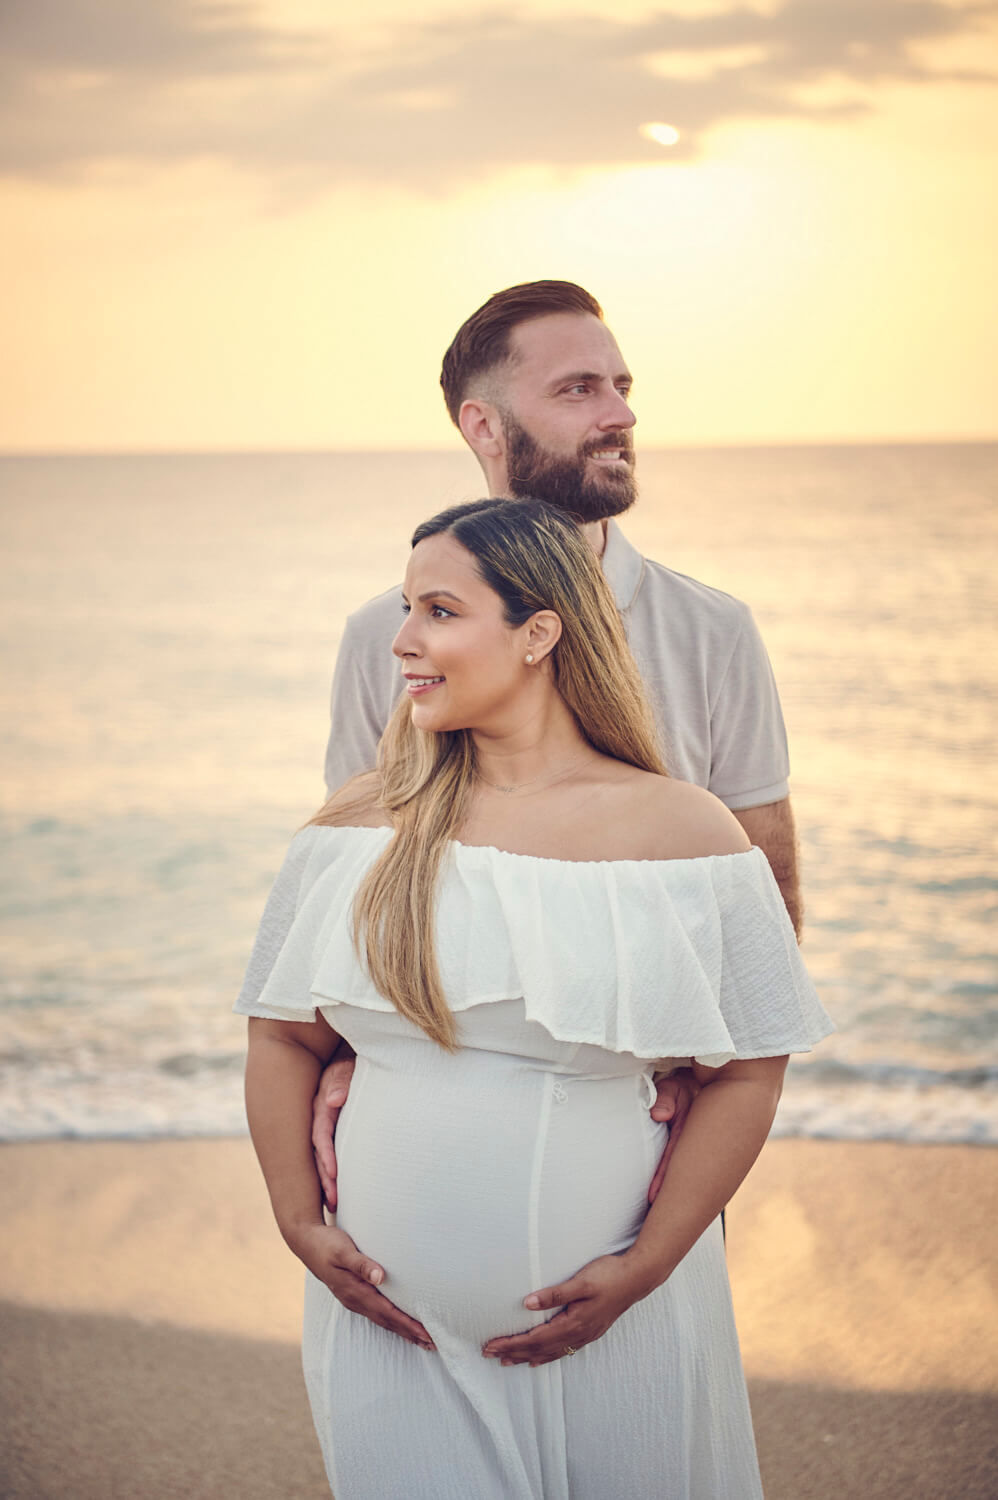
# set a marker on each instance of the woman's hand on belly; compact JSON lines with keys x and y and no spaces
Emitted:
{"x":353,"y":1279}
{"x":590,"y":1301}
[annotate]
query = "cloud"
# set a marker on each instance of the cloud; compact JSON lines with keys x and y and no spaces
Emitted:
{"x":156,"y":39}
{"x":443,"y":100}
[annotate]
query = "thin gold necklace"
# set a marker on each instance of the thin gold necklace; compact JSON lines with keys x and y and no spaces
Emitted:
{"x":518,"y":786}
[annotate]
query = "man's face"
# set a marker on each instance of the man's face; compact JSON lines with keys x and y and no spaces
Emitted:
{"x":566,"y":419}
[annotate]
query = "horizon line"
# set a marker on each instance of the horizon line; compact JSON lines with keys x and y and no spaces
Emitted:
{"x":235,"y":451}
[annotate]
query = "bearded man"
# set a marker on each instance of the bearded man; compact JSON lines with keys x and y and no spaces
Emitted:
{"x":537,"y":387}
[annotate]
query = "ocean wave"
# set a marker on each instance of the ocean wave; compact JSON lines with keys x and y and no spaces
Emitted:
{"x":835,"y":1073}
{"x":191,"y":1094}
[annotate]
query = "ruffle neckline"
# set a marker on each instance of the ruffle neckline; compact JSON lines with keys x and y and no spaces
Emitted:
{"x":383,"y":834}
{"x":658,"y":958}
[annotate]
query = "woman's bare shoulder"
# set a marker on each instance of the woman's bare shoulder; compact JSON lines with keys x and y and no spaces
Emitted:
{"x":683,"y":821}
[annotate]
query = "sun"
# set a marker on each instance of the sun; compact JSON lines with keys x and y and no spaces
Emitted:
{"x":663,"y":135}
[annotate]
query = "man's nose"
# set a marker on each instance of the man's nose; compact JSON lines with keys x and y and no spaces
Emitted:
{"x":615,"y":412}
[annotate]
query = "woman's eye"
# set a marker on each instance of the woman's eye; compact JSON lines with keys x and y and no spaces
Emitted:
{"x":435,"y":611}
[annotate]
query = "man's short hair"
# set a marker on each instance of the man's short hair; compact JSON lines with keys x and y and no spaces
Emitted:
{"x":483,"y":341}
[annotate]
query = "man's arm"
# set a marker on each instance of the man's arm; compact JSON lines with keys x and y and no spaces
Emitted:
{"x":771,"y":827}
{"x":330,"y":1097}
{"x":750,"y":764}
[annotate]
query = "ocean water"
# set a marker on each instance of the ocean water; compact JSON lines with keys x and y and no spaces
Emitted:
{"x":169,"y":626}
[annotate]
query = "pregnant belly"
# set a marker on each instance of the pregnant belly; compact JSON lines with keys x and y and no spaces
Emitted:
{"x":476,"y":1184}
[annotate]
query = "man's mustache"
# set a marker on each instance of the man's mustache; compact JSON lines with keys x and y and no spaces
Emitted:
{"x":622,"y":440}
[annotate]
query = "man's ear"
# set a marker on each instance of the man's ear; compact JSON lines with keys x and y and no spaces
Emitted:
{"x":482,"y":429}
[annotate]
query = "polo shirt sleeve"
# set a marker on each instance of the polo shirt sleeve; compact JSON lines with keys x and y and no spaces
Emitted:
{"x":750,"y":762}
{"x":365,"y":685}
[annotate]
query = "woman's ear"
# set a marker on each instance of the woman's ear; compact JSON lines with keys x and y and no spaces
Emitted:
{"x":543,"y":632}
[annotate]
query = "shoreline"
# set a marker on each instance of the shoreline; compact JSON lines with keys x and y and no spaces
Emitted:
{"x":234,"y":1135}
{"x":149,"y":1335}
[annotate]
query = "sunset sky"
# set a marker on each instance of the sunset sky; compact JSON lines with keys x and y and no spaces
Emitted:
{"x":258,"y":226}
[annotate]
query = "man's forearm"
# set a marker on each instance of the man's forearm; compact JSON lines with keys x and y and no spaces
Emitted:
{"x":771,"y":828}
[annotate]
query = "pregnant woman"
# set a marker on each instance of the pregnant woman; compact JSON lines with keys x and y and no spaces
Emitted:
{"x":514,"y":922}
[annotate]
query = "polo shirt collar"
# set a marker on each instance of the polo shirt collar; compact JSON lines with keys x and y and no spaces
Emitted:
{"x":623,"y":566}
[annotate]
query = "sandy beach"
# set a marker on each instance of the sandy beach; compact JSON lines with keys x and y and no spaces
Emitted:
{"x":148,"y":1345}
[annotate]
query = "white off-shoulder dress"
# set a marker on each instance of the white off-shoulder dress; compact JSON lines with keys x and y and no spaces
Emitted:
{"x":477,"y":1177}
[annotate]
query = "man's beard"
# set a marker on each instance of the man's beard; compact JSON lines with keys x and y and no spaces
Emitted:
{"x":570,"y":483}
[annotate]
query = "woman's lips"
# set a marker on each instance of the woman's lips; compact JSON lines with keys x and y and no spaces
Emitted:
{"x":414,"y":686}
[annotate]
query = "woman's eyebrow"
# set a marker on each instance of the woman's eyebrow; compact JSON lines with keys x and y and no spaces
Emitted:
{"x":439,"y":594}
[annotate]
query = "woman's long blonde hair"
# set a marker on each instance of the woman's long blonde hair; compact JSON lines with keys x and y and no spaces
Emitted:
{"x":534,"y":558}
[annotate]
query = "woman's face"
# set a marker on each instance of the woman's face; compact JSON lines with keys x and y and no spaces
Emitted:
{"x":464,"y":666}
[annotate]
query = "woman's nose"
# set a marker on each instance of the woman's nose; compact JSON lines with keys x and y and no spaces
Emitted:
{"x":404,"y":643}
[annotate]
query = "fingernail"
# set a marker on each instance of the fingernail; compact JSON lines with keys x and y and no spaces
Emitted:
{"x":532,"y":1302}
{"x":376,"y":1276}
{"x":505,"y":1363}
{"x":338,"y":1096}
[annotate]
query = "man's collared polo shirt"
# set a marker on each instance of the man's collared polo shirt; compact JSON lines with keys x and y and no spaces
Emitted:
{"x":702,"y":660}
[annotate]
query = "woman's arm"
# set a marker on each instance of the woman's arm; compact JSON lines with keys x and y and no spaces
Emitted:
{"x":283,"y":1065}
{"x":727,"y":1126}
{"x":726,"y":1129}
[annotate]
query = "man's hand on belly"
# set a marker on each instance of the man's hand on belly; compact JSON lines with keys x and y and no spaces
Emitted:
{"x":354,"y":1279}
{"x":675,"y":1093}
{"x":330,"y":1097}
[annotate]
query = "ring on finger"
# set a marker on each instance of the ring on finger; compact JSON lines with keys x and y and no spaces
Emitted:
{"x":570,"y":1350}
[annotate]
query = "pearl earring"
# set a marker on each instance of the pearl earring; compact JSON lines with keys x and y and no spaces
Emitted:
{"x":530,"y":658}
